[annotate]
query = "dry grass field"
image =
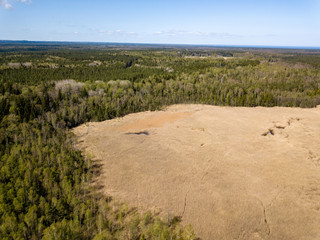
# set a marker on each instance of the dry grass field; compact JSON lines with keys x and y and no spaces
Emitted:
{"x":232,"y":173}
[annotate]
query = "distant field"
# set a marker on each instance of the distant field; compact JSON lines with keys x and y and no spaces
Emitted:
{"x":233,"y":173}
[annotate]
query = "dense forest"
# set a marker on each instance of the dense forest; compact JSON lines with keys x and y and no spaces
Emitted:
{"x":46,"y":89}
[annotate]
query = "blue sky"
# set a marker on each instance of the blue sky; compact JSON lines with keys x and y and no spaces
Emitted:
{"x":229,"y":22}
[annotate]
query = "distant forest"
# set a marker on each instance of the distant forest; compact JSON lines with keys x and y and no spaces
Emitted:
{"x":48,"y":88}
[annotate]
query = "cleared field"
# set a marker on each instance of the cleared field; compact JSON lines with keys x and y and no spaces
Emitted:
{"x":232,"y":173}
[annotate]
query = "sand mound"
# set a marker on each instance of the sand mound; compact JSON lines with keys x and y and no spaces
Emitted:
{"x":233,"y":173}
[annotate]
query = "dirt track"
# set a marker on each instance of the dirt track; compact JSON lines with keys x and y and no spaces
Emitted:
{"x":232,"y":173}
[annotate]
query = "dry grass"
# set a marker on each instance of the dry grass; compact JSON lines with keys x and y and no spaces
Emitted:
{"x":233,"y":173}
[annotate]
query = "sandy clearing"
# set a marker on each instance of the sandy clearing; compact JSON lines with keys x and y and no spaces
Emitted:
{"x":233,"y":173}
{"x":153,"y":121}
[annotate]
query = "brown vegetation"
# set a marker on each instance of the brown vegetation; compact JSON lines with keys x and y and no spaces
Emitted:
{"x":232,"y":173}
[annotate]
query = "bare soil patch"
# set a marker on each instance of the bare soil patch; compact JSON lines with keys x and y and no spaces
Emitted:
{"x":232,"y":173}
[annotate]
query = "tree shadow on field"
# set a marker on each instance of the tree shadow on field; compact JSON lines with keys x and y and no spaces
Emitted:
{"x":138,"y":133}
{"x":96,"y":168}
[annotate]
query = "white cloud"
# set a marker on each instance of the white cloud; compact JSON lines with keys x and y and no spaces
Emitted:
{"x":5,"y":4}
{"x":8,"y":4}
{"x":117,"y":32}
{"x":25,"y":1}
{"x":196,"y":33}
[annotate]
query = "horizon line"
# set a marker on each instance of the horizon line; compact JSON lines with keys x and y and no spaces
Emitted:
{"x":172,"y":44}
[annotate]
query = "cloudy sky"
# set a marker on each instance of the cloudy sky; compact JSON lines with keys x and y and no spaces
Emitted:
{"x":229,"y":22}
